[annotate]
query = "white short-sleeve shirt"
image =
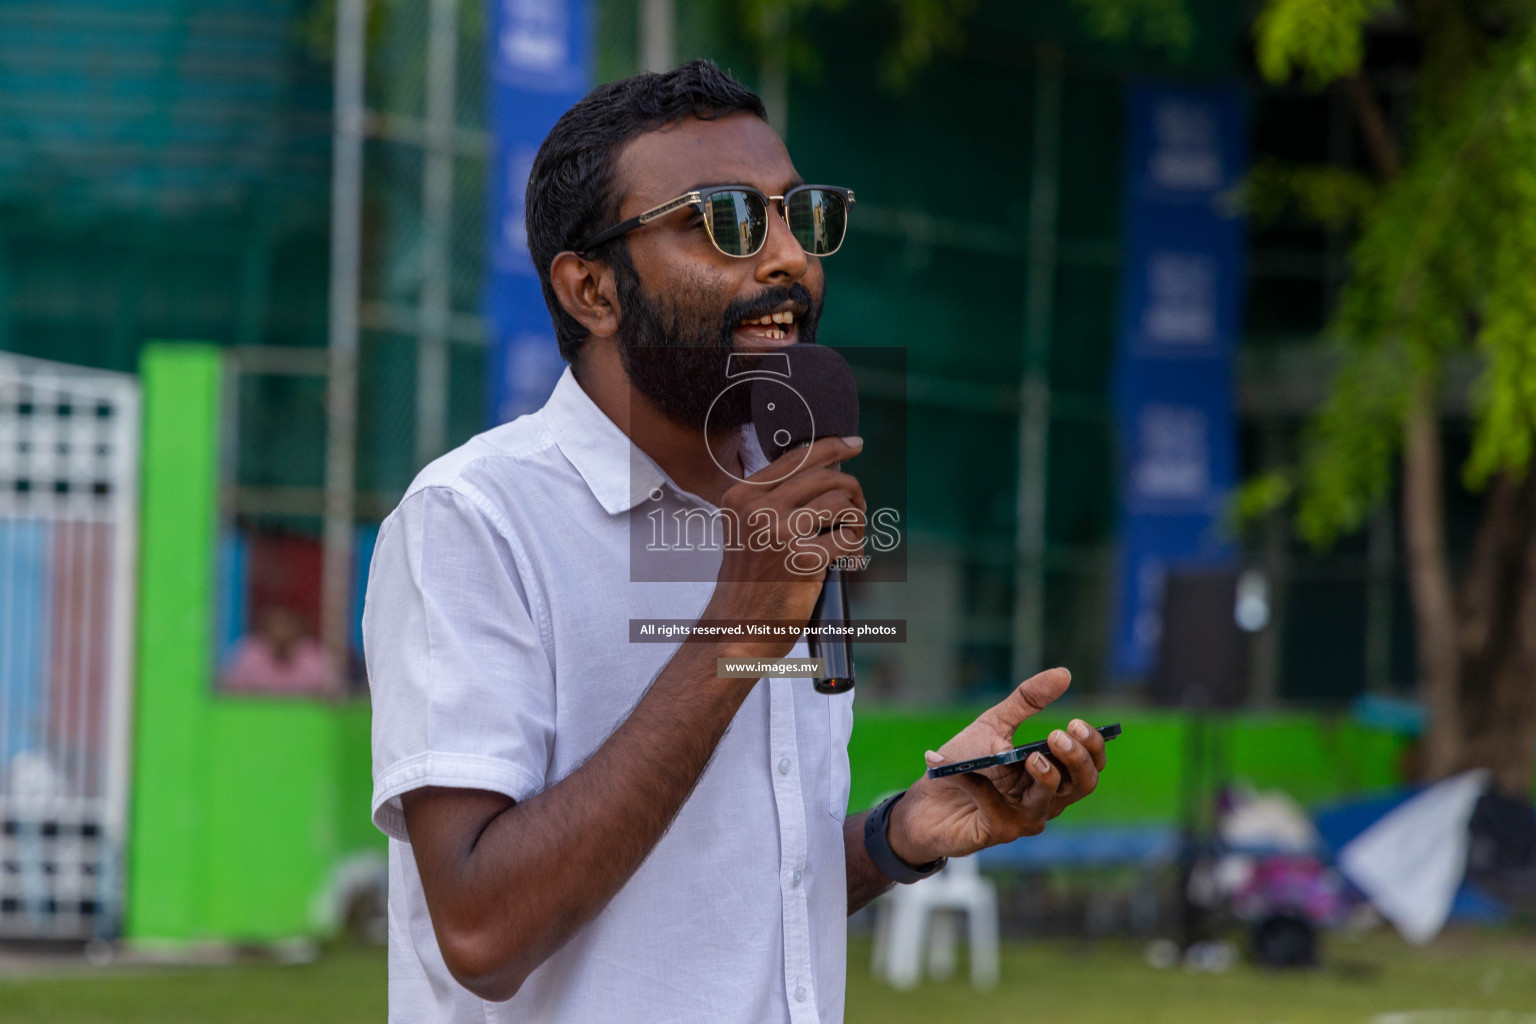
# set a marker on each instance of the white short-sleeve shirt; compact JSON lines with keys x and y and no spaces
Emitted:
{"x":496,"y":627}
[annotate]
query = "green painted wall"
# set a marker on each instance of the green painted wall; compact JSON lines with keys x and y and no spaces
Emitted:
{"x":1315,"y":758}
{"x":242,"y":806}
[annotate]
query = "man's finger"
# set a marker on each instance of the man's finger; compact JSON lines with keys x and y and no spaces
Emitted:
{"x":1035,"y":802}
{"x":837,"y":515}
{"x":1090,"y":738}
{"x":1030,"y":697}
{"x":1074,"y":757}
{"x":826,"y":452}
{"x":807,"y":486}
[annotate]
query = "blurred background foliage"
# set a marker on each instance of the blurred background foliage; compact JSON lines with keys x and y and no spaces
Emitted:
{"x":1440,"y":269}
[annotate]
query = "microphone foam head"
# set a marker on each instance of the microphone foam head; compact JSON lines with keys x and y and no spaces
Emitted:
{"x":800,"y":394}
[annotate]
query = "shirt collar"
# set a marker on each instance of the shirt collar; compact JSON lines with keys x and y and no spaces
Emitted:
{"x":618,"y":473}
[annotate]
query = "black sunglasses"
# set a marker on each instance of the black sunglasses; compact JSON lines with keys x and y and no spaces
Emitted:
{"x":736,"y":217}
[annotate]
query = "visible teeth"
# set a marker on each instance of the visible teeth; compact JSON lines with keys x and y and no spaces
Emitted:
{"x":775,"y":334}
{"x":769,"y":321}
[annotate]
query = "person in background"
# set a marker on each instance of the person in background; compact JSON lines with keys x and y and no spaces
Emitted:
{"x":278,"y":657}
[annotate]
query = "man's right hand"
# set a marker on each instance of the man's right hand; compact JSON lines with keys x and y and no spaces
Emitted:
{"x":792,"y":519}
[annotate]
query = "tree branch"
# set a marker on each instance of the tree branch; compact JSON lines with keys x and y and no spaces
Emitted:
{"x":1429,"y":570}
{"x":1514,"y":717}
{"x":1378,"y":139}
{"x":1429,"y":580}
{"x":1477,"y":597}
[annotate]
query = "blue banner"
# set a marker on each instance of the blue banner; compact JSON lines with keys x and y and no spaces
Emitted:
{"x":1181,"y":293}
{"x":539,"y":61}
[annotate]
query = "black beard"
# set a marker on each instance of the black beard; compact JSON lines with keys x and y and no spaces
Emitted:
{"x":679,"y":364}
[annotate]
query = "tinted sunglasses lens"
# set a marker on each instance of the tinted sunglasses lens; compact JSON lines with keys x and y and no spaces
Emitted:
{"x":817,"y":219}
{"x":738,"y":221}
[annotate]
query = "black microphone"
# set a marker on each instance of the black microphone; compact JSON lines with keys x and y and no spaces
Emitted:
{"x":801,"y":394}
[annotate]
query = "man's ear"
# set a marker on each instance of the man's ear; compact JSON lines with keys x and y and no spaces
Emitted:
{"x":587,"y":291}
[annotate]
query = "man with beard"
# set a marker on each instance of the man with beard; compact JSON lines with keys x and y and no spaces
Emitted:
{"x":588,"y":830}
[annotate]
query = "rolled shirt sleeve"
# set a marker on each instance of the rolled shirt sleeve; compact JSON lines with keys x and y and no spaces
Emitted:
{"x":462,"y":687}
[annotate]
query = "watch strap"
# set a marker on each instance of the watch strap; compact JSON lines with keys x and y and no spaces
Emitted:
{"x":878,"y":846}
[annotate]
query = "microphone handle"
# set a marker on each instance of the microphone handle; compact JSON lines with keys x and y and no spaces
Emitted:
{"x":837,"y":651}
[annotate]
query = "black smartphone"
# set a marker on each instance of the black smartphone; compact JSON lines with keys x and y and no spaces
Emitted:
{"x":976,"y":764}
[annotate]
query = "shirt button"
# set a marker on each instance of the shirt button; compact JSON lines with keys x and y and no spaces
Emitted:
{"x":799,"y":993}
{"x":795,"y":878}
{"x":783,"y":766}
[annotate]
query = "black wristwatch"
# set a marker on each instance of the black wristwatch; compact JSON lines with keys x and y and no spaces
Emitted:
{"x":879,"y":847}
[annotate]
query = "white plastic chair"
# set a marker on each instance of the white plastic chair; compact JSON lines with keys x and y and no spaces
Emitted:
{"x":928,"y":910}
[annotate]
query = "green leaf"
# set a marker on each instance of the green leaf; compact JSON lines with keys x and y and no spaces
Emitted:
{"x":1328,"y":197}
{"x":1161,"y":24}
{"x":1444,"y":267}
{"x":1323,"y":39}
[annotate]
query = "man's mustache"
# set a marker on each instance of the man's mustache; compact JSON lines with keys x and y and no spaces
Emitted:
{"x":768,"y":302}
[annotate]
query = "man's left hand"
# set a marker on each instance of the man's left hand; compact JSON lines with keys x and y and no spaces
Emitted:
{"x":960,"y":814}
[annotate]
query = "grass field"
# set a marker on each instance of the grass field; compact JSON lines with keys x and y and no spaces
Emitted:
{"x":1465,"y":978}
{"x":1486,"y":978}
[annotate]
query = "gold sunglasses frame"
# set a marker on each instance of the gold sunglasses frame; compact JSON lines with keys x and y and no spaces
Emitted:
{"x":697,"y":198}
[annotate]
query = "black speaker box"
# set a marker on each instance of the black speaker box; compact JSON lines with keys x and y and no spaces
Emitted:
{"x":1202,"y":654}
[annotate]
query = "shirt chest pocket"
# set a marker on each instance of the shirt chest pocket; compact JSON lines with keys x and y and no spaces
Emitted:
{"x":839,"y":776}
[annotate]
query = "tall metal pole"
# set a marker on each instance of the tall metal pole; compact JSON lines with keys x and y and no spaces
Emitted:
{"x":437,"y":222}
{"x":774,"y":83}
{"x":341,"y":384}
{"x":1035,"y":388}
{"x":658,"y":34}
{"x":1264,"y":666}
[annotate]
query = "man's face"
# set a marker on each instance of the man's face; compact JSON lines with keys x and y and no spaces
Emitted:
{"x":691,"y":304}
{"x":282,"y":628}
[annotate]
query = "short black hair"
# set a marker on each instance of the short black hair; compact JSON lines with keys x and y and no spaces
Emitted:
{"x":571,"y":185}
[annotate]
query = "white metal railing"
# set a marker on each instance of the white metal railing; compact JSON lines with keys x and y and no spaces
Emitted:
{"x":69,"y":451}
